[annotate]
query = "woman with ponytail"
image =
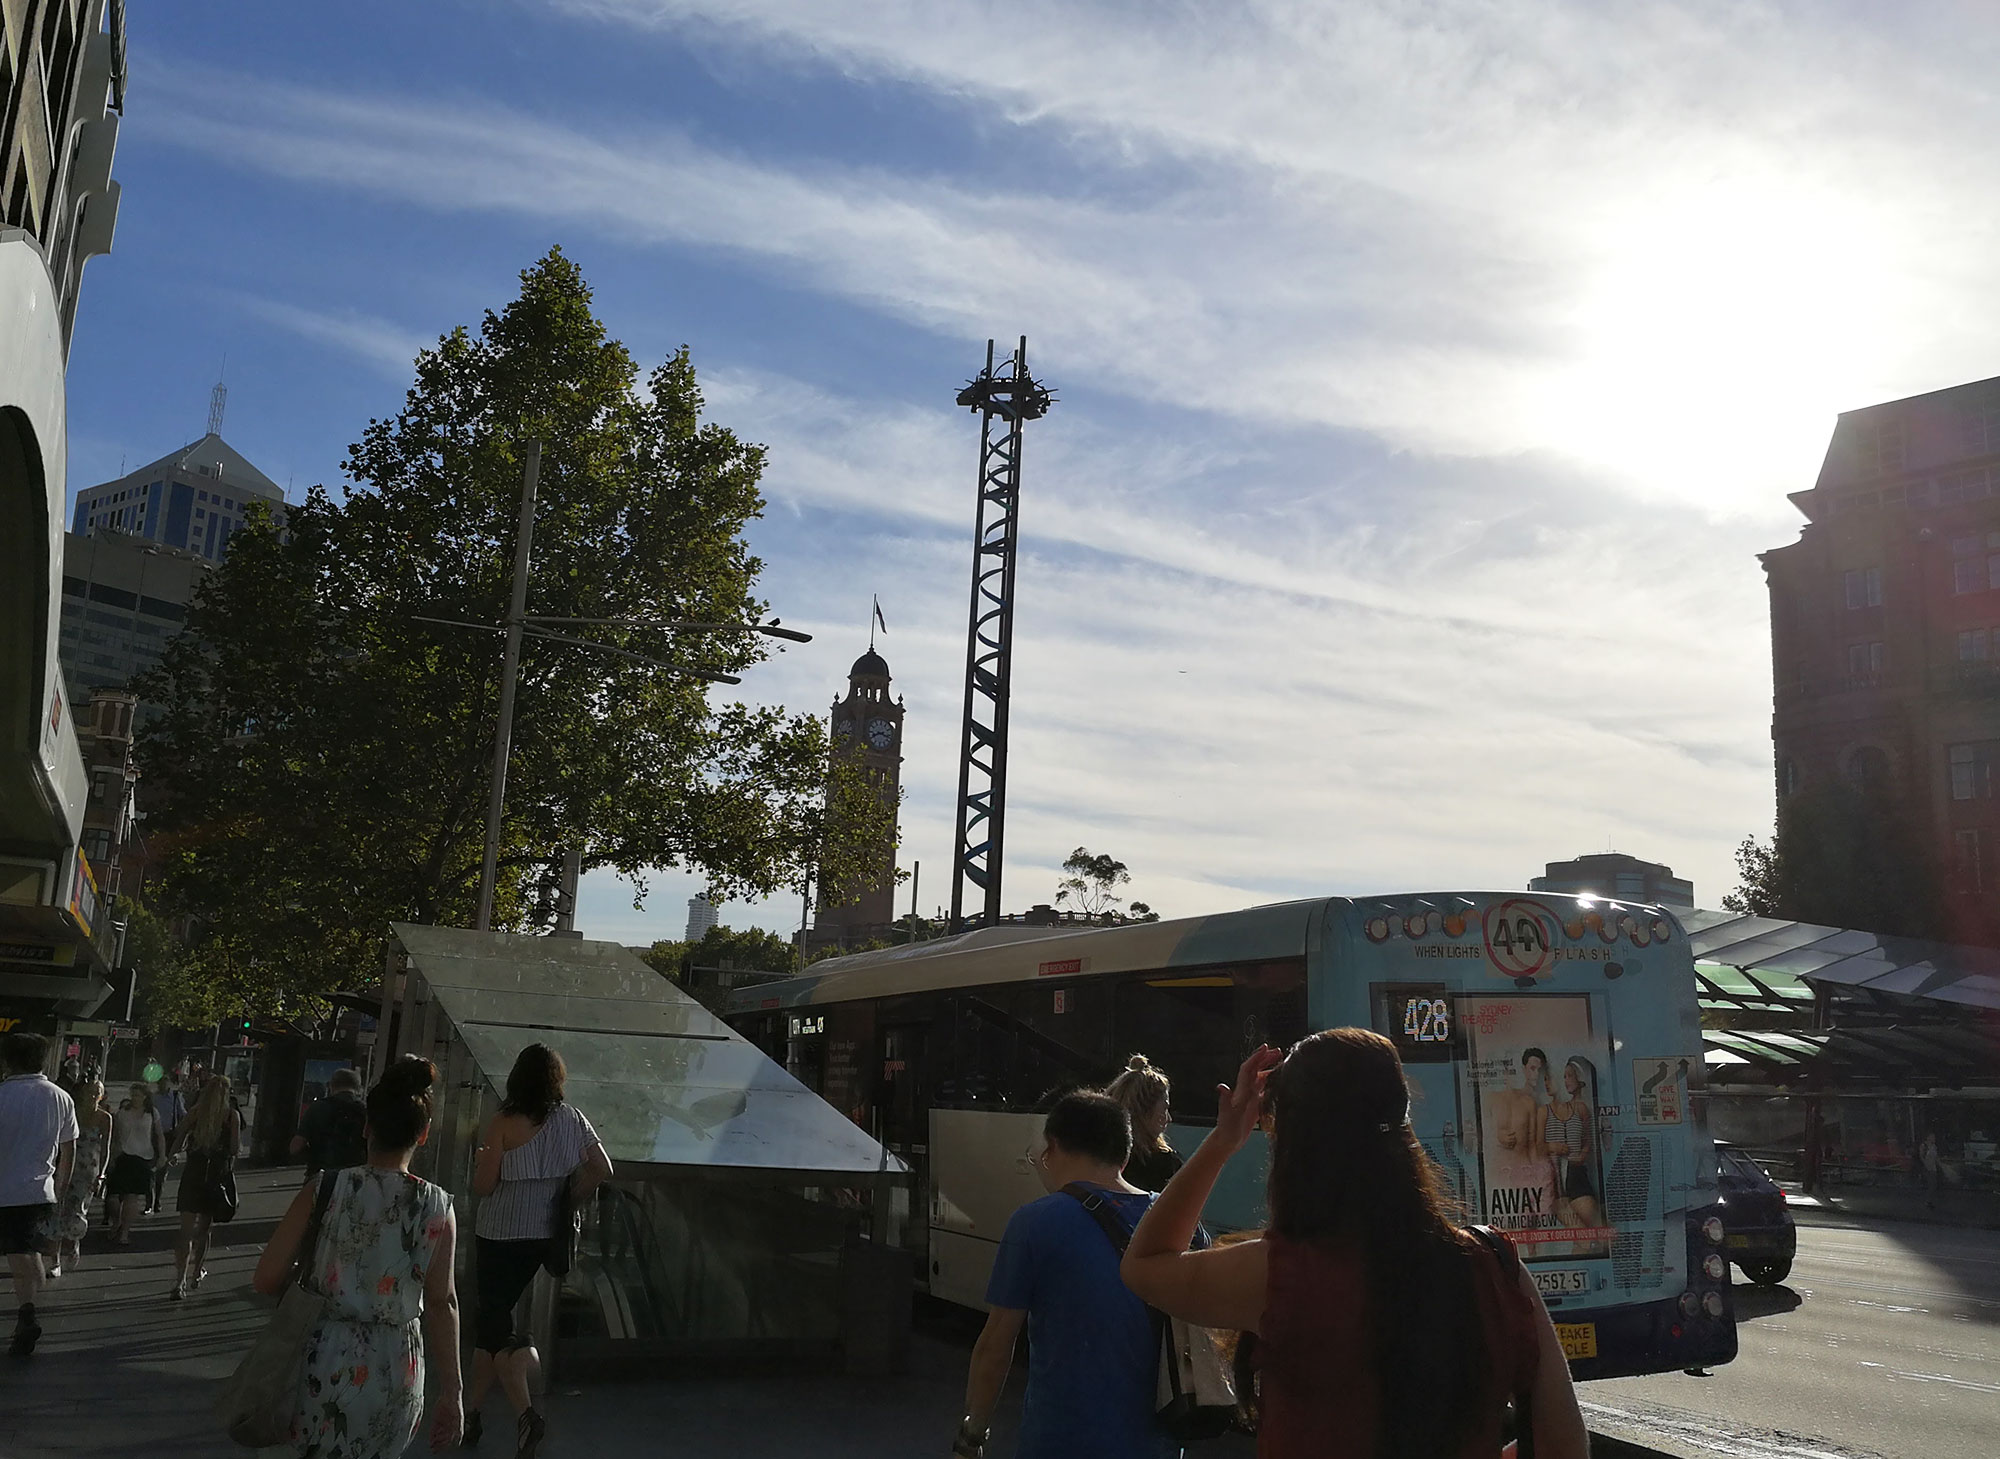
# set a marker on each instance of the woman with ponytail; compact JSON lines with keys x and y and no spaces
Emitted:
{"x":1380,"y":1328}
{"x":1142,"y":1089}
{"x":383,"y":1259}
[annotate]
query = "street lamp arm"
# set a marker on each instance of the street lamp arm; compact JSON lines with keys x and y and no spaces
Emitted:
{"x":709,"y":674}
{"x":685,"y":625}
{"x":458,"y":623}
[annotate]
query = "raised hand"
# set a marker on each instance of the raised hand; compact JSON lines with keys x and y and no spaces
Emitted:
{"x":1238,"y":1108}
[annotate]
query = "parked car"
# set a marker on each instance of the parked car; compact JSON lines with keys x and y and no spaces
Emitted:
{"x":1758,"y":1233}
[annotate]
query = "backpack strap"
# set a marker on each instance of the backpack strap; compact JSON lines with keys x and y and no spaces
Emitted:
{"x":1510,"y":1280}
{"x":1101,"y":1212}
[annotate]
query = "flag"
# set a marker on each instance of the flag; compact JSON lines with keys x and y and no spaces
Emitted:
{"x":878,"y":616}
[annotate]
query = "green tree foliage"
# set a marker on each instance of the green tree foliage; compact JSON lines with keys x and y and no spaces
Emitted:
{"x":324,"y":752}
{"x":1092,"y":887}
{"x":1842,"y":857}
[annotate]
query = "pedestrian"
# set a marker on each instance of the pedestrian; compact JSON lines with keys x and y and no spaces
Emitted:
{"x":209,"y":1135}
{"x":537,"y":1148}
{"x":137,"y":1150}
{"x":334,"y":1131}
{"x":1144,"y":1091}
{"x":37,"y":1145}
{"x":1372,"y":1316}
{"x":384,"y":1263}
{"x":1927,"y":1157}
{"x":170,"y":1109}
{"x":1093,"y":1354}
{"x":93,"y":1147}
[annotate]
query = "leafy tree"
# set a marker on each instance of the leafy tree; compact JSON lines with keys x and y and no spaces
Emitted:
{"x":751,"y":949}
{"x":324,"y":751}
{"x":1842,"y":857}
{"x":1092,"y":887}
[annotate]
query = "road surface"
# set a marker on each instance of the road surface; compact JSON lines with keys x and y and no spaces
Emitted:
{"x":1884,"y":1341}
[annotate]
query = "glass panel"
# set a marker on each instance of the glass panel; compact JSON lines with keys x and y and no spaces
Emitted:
{"x":675,"y":1101}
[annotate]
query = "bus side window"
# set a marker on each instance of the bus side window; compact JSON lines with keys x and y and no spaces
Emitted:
{"x":984,"y":1051}
{"x":1199,"y":1026}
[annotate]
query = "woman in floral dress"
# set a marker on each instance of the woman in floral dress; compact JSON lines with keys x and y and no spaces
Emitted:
{"x":384,"y":1262}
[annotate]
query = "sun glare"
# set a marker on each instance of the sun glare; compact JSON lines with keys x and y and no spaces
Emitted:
{"x":1722,"y":332}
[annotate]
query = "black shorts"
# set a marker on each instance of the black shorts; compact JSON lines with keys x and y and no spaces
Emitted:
{"x":505,"y":1269}
{"x":131,"y":1175}
{"x":25,"y":1229}
{"x":1576,"y":1180}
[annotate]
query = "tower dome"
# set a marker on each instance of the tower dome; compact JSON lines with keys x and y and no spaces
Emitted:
{"x":870,"y":665}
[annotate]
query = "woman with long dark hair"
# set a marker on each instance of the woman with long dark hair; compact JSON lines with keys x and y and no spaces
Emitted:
{"x":1382,"y":1329}
{"x":537,"y":1147}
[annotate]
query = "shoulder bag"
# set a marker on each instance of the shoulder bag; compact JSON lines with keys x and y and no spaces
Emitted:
{"x":1510,"y":1268}
{"x":260,"y":1400}
{"x":1196,"y":1390}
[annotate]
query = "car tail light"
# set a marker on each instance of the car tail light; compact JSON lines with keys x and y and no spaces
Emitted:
{"x":1711,"y":1303}
{"x":1714,"y":1266}
{"x":1712,"y":1229}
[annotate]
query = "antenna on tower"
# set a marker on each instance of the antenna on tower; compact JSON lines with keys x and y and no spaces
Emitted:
{"x":218,"y":399}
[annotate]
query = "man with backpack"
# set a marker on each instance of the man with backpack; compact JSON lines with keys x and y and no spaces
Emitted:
{"x":1093,"y":1349}
{"x":334,"y":1132}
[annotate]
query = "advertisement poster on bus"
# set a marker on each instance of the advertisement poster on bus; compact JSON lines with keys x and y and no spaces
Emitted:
{"x":1536,"y":1064}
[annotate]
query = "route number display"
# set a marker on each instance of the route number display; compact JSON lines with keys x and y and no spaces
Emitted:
{"x":1427,"y":1020}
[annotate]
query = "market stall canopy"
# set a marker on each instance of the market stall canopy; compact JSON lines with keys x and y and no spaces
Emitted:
{"x":664,"y":1081}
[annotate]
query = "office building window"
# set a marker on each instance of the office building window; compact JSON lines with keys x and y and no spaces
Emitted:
{"x":1868,"y":769}
{"x":1788,"y":777}
{"x":1969,"y":861}
{"x":1971,"y":771}
{"x":1864,"y":587}
{"x":1972,"y":645}
{"x":1864,"y":660}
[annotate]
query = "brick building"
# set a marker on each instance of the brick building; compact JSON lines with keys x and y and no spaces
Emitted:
{"x":1885,"y":630}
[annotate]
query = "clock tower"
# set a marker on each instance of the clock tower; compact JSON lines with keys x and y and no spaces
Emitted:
{"x":867,"y":727}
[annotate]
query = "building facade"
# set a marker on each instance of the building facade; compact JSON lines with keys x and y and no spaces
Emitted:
{"x":1614,"y":874}
{"x":62,"y":89}
{"x":867,"y":729}
{"x":122,"y":599}
{"x":190,"y":500}
{"x":1885,"y":631}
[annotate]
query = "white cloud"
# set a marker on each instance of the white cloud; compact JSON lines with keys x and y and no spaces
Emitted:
{"x":382,"y":344}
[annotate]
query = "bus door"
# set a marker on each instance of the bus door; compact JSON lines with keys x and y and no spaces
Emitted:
{"x":902,"y":1124}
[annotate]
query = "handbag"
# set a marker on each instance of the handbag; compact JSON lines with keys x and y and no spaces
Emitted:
{"x":260,"y":1400}
{"x":222,"y":1200}
{"x":1510,"y":1268}
{"x":1195,"y":1391}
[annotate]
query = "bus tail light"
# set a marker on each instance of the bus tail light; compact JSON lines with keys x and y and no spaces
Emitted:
{"x":1712,"y":1229}
{"x":1690,"y":1304}
{"x":1711,"y":1303}
{"x":1714,"y":1266}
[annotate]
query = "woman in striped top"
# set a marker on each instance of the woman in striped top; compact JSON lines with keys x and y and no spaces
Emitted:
{"x":535,"y":1146}
{"x":1566,"y":1132}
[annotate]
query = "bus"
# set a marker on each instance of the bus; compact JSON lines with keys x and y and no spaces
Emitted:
{"x":1552,"y":1044}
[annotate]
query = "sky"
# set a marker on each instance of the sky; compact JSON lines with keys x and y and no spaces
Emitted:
{"x":1429,"y":375}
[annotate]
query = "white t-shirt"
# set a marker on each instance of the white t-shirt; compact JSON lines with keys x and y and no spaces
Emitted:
{"x":36,"y":1121}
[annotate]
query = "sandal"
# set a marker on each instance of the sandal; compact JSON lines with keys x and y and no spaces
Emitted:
{"x":529,"y":1434}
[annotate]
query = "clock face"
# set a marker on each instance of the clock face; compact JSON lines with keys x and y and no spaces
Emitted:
{"x":881,"y":734}
{"x":845,"y":729}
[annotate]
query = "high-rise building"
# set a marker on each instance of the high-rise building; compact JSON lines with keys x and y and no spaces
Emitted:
{"x":702,"y":915}
{"x":1617,"y":876}
{"x":867,"y":729}
{"x":62,"y":90}
{"x":122,"y":599}
{"x":1885,"y":630}
{"x":191,"y":499}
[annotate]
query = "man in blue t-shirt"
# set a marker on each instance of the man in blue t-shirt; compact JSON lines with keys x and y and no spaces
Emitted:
{"x":1093,"y":1354}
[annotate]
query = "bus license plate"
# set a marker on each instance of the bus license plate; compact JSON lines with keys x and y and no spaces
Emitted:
{"x":1579,"y":1339}
{"x":1570,"y":1283}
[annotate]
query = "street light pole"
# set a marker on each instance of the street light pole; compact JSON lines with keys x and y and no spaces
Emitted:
{"x":510,"y":671}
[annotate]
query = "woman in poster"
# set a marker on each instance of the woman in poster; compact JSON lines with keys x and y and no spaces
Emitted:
{"x":1567,"y":1134}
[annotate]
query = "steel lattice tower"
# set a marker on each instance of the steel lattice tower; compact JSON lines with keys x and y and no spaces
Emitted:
{"x":1004,"y":399}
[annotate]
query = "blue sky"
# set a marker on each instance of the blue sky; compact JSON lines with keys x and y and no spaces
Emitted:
{"x":1430,"y":374}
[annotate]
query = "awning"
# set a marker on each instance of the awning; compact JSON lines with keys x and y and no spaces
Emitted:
{"x":1868,"y":963}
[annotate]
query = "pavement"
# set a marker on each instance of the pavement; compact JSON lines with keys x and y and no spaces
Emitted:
{"x":1978,"y":1209}
{"x":1886,"y":1342}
